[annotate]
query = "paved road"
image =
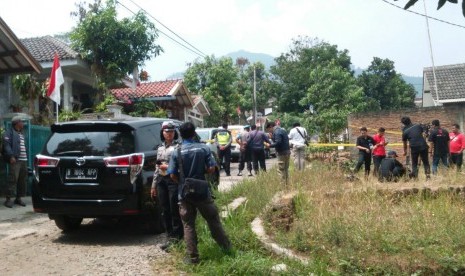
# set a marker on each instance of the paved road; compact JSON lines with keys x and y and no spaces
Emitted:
{"x":227,"y":182}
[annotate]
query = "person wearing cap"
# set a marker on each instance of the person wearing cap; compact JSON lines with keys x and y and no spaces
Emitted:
{"x":439,"y":145}
{"x":223,"y":140}
{"x":364,"y":145}
{"x":245,"y":153}
{"x":164,"y":189}
{"x":298,"y":142}
{"x":391,"y":169}
{"x":15,"y":155}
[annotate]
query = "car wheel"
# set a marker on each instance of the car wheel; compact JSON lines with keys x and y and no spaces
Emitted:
{"x":67,"y":223}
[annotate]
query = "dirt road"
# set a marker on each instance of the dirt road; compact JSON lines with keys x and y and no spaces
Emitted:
{"x":31,"y":244}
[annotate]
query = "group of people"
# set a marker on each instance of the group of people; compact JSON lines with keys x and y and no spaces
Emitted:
{"x":439,"y":144}
{"x":179,"y":214}
{"x":252,"y":143}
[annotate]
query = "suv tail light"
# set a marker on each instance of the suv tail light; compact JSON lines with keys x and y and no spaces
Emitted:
{"x":43,"y":161}
{"x":133,"y":161}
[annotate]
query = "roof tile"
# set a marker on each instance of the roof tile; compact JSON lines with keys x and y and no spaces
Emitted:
{"x":146,"y":90}
{"x":450,"y":81}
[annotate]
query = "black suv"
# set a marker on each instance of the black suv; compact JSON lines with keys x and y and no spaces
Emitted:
{"x":101,"y":168}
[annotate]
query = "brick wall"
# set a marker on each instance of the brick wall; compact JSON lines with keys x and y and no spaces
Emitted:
{"x":390,"y":120}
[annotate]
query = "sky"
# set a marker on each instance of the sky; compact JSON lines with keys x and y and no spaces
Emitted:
{"x":366,"y":28}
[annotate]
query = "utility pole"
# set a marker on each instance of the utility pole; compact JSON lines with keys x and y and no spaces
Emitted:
{"x":254,"y":98}
{"x":436,"y":102}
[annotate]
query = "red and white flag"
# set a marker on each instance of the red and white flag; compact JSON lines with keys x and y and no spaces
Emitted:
{"x":56,"y":80}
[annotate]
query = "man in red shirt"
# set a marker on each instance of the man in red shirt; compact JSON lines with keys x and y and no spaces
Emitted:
{"x":379,"y":150}
{"x":456,"y":146}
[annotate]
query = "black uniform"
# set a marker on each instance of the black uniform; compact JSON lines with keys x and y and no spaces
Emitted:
{"x":390,"y":170}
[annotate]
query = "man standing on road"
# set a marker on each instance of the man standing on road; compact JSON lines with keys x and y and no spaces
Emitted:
{"x":15,"y":156}
{"x":439,"y":143}
{"x":297,"y":139}
{"x":281,"y":144}
{"x":256,"y":141}
{"x":413,"y":134}
{"x":197,"y":160}
{"x":245,"y":154}
{"x":223,"y":141}
{"x":456,"y":146}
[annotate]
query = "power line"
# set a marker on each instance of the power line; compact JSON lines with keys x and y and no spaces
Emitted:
{"x":194,"y":50}
{"x":417,"y":13}
{"x":167,"y":28}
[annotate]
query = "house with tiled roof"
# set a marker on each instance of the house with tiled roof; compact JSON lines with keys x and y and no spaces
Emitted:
{"x":170,"y":95}
{"x":78,"y":91}
{"x":450,"y":83}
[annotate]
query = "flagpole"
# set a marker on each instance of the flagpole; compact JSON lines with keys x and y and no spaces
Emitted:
{"x":57,"y":111}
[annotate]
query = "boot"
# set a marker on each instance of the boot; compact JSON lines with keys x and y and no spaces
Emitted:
{"x":18,"y":201}
{"x":250,"y":173}
{"x":239,"y":173}
{"x":8,"y":203}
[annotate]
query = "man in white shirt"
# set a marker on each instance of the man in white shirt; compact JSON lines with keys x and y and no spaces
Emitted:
{"x":297,"y":139}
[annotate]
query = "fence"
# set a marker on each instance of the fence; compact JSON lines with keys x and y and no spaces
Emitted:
{"x":36,"y":136}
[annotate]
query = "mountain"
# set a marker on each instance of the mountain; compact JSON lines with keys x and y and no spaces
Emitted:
{"x":266,"y":59}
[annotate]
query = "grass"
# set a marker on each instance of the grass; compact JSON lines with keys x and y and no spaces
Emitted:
{"x":342,"y":227}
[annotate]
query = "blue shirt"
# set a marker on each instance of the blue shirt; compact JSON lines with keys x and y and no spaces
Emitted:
{"x":196,"y":158}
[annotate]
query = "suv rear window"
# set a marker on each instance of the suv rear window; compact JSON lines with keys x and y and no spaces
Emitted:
{"x":93,"y":143}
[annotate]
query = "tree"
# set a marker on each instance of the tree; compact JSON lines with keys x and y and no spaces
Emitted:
{"x":333,"y":96}
{"x":29,"y":89}
{"x":440,"y":4}
{"x":384,"y":88}
{"x":215,"y":80}
{"x":292,"y":70}
{"x":113,"y":47}
{"x":245,"y":87}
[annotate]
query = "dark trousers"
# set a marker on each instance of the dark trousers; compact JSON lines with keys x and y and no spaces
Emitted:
{"x":376,"y":163}
{"x":168,"y":197}
{"x":17,"y":179}
{"x":245,"y":157}
{"x":209,"y":211}
{"x":258,"y":158}
{"x":226,"y":154}
{"x":363,"y":158}
{"x":423,"y":154}
{"x":395,"y":175}
{"x":436,"y":158}
{"x":456,"y":159}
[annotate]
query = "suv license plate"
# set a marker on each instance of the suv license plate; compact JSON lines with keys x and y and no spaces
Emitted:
{"x":81,"y":173}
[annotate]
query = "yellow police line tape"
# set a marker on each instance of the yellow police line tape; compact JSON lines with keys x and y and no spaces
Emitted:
{"x":376,"y":130}
{"x":346,"y":145}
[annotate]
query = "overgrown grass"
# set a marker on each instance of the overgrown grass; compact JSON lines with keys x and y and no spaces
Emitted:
{"x":342,"y":227}
{"x":355,"y":228}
